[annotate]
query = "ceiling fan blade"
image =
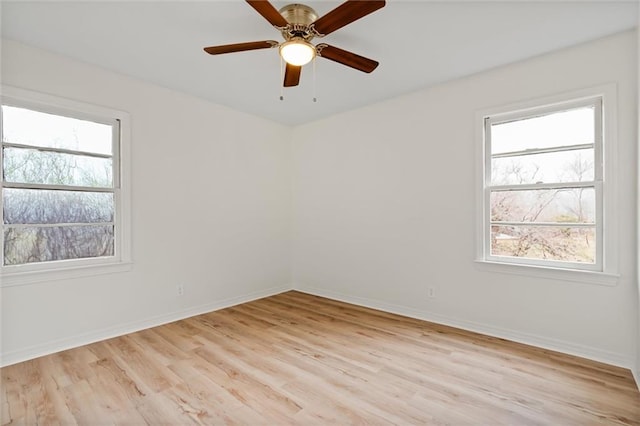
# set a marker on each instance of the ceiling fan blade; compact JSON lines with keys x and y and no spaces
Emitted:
{"x":240,"y":47}
{"x":346,"y":13}
{"x":292,"y":75}
{"x":346,"y":58}
{"x":268,"y":12}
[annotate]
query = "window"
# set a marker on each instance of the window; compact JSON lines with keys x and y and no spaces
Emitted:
{"x":62,"y":195}
{"x":544,"y":192}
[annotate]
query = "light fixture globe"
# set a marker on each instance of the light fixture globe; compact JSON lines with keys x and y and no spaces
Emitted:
{"x":297,"y":51}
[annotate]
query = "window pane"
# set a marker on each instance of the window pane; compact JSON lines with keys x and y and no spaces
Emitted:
{"x":573,"y":205}
{"x":33,"y":206}
{"x":24,"y":126}
{"x":572,"y":127}
{"x":545,"y":243}
{"x":33,"y":166}
{"x":36,"y":244}
{"x":565,"y":166}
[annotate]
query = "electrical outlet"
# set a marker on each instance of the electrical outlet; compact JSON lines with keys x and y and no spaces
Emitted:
{"x":431,"y":292}
{"x":180,"y":290}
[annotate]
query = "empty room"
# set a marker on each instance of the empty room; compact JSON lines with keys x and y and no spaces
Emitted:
{"x":337,"y":212}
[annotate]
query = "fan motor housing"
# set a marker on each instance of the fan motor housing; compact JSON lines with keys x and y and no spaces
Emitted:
{"x":298,"y":14}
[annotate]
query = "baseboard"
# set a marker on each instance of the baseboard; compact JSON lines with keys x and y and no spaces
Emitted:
{"x":122,"y":329}
{"x":516,"y":336}
{"x":569,"y":348}
{"x":636,"y":377}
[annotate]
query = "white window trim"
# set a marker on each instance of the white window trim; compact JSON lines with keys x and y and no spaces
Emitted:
{"x":608,"y":275}
{"x":75,"y":268}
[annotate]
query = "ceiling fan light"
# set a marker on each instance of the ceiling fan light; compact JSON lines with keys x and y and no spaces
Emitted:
{"x":297,"y":52}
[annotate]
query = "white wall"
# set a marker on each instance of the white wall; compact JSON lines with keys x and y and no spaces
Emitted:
{"x":636,"y":372}
{"x":211,"y":210}
{"x":384,"y":206}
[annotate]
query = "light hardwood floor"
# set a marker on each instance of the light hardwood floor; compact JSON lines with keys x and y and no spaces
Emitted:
{"x":300,"y":359}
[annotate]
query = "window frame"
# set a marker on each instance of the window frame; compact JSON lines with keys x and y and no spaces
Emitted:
{"x":71,"y":268}
{"x":604,"y":270}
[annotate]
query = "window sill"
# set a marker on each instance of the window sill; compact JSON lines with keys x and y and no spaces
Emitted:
{"x":12,"y":279}
{"x":574,"y":275}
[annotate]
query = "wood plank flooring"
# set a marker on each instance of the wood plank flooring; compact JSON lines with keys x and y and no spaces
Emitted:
{"x":300,"y":359}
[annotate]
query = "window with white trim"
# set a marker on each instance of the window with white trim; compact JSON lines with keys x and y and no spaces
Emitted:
{"x":62,"y":200}
{"x":543,"y":193}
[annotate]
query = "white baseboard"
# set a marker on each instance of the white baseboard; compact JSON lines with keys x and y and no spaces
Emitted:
{"x":569,"y":348}
{"x":122,"y":329}
{"x":595,"y":354}
{"x":636,"y":377}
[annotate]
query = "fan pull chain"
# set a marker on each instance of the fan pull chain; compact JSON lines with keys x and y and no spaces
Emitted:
{"x":314,"y":80}
{"x":281,"y":78}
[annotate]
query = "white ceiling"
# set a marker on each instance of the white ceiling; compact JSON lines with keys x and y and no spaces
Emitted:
{"x":418,"y":44}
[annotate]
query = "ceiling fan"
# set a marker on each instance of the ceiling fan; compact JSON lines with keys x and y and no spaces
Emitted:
{"x":299,"y":24}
